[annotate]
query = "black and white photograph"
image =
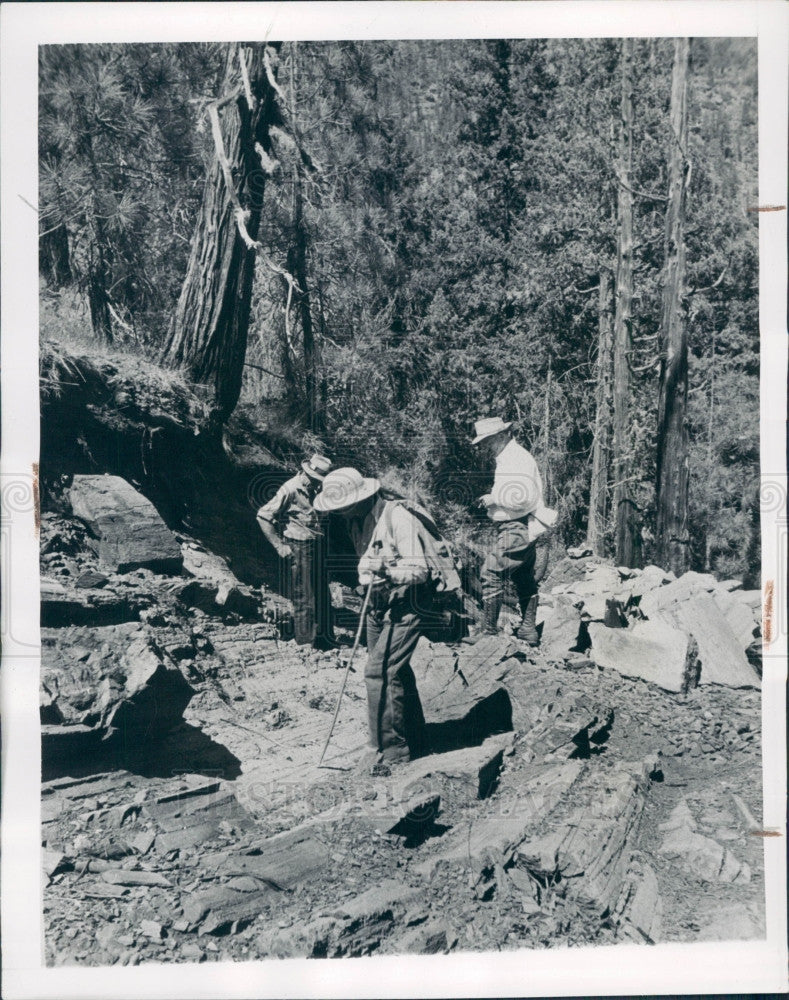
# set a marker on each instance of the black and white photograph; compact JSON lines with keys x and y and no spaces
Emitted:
{"x":407,"y":501}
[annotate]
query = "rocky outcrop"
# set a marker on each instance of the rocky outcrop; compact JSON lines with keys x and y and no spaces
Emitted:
{"x":525,"y":824}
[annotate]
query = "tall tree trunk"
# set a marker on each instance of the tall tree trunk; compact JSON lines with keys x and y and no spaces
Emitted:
{"x":624,"y":508}
{"x":672,"y":536}
{"x":98,"y":280}
{"x":712,"y":510}
{"x":546,"y":430}
{"x":208,"y":334}
{"x":54,"y":257}
{"x":298,"y":267}
{"x":595,"y":534}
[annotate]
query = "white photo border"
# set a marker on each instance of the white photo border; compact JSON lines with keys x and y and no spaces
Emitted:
{"x":756,"y":966}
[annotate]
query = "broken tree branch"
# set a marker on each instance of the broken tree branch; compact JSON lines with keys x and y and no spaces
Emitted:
{"x":271,"y":78}
{"x":641,"y":194}
{"x":240,"y":214}
{"x":245,"y":77}
{"x":708,"y":288}
{"x":260,"y":368}
{"x":291,"y":348}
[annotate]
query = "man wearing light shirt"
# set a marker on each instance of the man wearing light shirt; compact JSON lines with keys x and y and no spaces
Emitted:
{"x":515,"y":505}
{"x":386,"y":538}
{"x":291,"y":525}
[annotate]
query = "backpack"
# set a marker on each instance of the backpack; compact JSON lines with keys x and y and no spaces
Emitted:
{"x":447,"y":622}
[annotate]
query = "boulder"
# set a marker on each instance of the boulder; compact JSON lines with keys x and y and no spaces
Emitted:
{"x":703,"y":856}
{"x":221,"y":908}
{"x":498,"y":834}
{"x":281,"y":862}
{"x":642,"y":907}
{"x":589,"y":597}
{"x":216,"y":583}
{"x":464,"y":683}
{"x":207,"y":566}
{"x":688,"y":585}
{"x":721,"y":653}
{"x":111,"y":678}
{"x":607,"y":805}
{"x":90,"y":579}
{"x":601,"y":579}
{"x":742,"y":619}
{"x":751,"y":598}
{"x":463,"y":775}
{"x":127,"y":531}
{"x":62,"y":607}
{"x":564,"y":572}
{"x":653,"y":651}
{"x":650,"y":578}
{"x":567,"y":725}
{"x":561,"y":625}
{"x":195,"y":594}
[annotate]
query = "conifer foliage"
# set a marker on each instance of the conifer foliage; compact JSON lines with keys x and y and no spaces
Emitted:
{"x":556,"y":232}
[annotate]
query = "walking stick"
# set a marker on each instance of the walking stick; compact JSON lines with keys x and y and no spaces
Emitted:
{"x":362,"y":614}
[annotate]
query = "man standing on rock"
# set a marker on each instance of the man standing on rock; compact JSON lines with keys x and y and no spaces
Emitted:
{"x":290,"y":522}
{"x":515,"y":505}
{"x":386,"y":538}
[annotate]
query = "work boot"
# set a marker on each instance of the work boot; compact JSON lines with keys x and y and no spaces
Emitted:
{"x":491,"y":607}
{"x":389,"y":759}
{"x":527,"y":630}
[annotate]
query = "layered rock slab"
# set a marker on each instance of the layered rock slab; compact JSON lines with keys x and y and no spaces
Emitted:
{"x":653,"y":651}
{"x":126,"y":530}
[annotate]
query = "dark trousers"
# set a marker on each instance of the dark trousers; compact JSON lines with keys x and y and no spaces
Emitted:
{"x":515,"y":558}
{"x":396,"y":720}
{"x":309,"y":592}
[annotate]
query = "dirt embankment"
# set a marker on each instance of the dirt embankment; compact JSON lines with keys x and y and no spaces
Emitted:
{"x":132,"y":419}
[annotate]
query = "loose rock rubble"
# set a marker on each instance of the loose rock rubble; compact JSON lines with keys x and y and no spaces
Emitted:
{"x":582,"y":792}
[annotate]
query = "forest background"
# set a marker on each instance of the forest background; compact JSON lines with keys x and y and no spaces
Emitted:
{"x":443,"y":230}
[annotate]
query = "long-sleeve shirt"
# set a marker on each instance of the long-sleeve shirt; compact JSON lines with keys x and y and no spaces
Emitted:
{"x":517,"y":486}
{"x":291,"y":510}
{"x":400,"y":549}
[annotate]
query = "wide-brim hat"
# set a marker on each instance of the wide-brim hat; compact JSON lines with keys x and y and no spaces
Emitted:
{"x":488,"y":426}
{"x":344,"y":488}
{"x":317,"y":467}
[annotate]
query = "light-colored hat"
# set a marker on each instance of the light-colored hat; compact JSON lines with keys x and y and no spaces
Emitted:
{"x":343,"y":488}
{"x":488,"y":426}
{"x":317,"y":467}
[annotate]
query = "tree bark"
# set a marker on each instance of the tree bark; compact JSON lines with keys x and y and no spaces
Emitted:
{"x":546,"y":424}
{"x":297,"y":264}
{"x":54,"y":257}
{"x":208,"y":334}
{"x":624,"y":508}
{"x":595,"y":534}
{"x":672,"y":536}
{"x":97,"y":281}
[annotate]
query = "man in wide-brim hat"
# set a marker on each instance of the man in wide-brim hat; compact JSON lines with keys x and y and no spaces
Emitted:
{"x":386,"y":539}
{"x":515,"y":505}
{"x":290,"y":522}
